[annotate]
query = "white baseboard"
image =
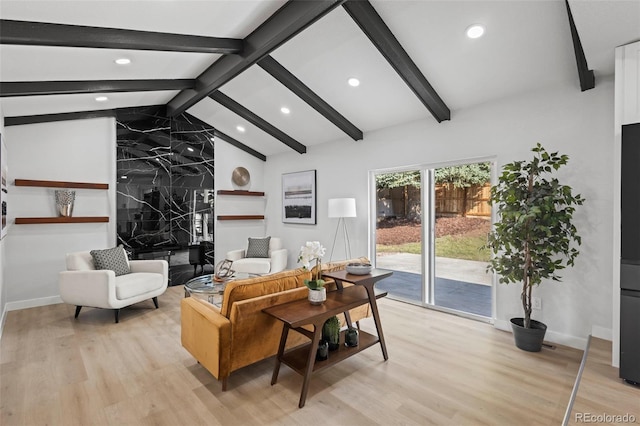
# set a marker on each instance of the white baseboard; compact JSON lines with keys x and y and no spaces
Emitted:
{"x":4,"y":317}
{"x":602,"y":333}
{"x":32,"y":303}
{"x":550,"y":336}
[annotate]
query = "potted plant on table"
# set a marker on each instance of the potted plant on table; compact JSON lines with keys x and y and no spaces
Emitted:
{"x":309,"y":252}
{"x":534,"y":237}
{"x":331,"y":332}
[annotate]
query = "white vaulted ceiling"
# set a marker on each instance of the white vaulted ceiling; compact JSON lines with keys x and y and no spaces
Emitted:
{"x":527,"y":46}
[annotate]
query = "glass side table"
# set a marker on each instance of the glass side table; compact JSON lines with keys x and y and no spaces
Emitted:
{"x":207,"y":285}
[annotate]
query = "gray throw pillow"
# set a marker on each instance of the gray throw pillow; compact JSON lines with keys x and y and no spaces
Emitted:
{"x":114,"y":259}
{"x":258,"y":247}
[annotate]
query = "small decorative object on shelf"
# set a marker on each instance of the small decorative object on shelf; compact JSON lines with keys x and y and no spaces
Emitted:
{"x":331,"y":332}
{"x":351,"y":337}
{"x":309,"y":252}
{"x":358,"y":268}
{"x":240,"y":176}
{"x":223,"y":270}
{"x":64,"y":202}
{"x":323,"y":350}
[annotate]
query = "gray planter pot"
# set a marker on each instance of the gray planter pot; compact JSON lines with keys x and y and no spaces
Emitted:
{"x":528,"y":339}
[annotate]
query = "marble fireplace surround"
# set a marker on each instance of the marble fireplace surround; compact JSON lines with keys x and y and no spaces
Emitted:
{"x":165,"y":189}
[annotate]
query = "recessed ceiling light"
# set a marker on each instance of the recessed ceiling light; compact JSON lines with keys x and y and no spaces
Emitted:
{"x":353,"y":82}
{"x":285,"y":110}
{"x":475,"y":31}
{"x":123,"y":61}
{"x":101,"y":99}
{"x":189,"y":149}
{"x":240,"y":129}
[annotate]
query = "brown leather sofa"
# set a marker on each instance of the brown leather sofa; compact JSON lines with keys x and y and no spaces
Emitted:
{"x":238,"y":333}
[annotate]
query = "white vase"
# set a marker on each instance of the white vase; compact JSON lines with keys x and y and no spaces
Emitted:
{"x":317,"y":297}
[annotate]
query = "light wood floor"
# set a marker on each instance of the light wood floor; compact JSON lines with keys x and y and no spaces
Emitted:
{"x":442,"y":369}
{"x":601,"y":392}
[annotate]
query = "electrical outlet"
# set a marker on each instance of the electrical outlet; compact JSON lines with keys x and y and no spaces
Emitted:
{"x":536,"y":303}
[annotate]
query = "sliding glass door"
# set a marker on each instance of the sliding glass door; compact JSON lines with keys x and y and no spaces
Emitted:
{"x":430,"y":229}
{"x":399,"y":233}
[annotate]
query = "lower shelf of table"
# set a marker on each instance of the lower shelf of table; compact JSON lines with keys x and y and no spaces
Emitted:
{"x":296,"y":358}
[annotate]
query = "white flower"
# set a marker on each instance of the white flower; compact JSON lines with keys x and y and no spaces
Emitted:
{"x":312,"y":250}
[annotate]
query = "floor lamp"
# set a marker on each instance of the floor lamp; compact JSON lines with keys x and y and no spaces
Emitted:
{"x":342,"y":208}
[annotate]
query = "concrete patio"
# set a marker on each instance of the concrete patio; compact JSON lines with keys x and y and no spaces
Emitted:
{"x":455,"y":269}
{"x":460,"y":285}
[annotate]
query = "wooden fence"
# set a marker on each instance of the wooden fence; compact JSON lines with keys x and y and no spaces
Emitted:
{"x":472,"y":201}
{"x":405,"y":201}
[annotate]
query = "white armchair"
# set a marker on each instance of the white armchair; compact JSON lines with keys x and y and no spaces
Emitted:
{"x":83,"y":285}
{"x":275,"y":262}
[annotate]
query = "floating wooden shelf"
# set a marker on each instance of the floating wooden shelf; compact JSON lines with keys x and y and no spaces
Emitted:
{"x":241,"y":217}
{"x":60,"y":184}
{"x":241,"y":192}
{"x":79,"y":219}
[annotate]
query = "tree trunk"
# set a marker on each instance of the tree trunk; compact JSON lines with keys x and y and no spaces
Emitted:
{"x":526,"y":289}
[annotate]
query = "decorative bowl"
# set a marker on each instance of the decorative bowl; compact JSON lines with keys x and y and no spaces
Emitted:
{"x":358,"y":268}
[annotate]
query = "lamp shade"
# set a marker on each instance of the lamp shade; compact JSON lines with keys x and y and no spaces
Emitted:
{"x":342,"y":207}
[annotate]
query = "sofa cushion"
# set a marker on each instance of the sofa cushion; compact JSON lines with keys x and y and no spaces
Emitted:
{"x":254,"y":265}
{"x":258,"y":247}
{"x":259,"y":286}
{"x":138,"y":283}
{"x":339,"y":265}
{"x":114,"y":259}
{"x":80,"y":261}
{"x":248,"y":321}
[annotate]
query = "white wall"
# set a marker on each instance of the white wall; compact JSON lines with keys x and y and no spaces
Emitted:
{"x":232,"y":235}
{"x":74,"y":151}
{"x":3,"y":290}
{"x":563,"y":118}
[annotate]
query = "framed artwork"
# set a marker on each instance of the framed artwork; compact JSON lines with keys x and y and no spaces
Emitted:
{"x":299,"y":197}
{"x":3,"y":187}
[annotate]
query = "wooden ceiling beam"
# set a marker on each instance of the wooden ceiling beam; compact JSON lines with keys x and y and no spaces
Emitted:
{"x":366,"y":17}
{"x":291,"y":82}
{"x":257,"y":121}
{"x":39,"y":88}
{"x":228,"y":139}
{"x":586,"y":76}
{"x":62,"y":116}
{"x":129,"y":113}
{"x":240,"y":145}
{"x":47,"y":34}
{"x":285,"y":23}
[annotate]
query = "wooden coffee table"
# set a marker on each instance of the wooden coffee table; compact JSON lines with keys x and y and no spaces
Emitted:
{"x":298,"y":313}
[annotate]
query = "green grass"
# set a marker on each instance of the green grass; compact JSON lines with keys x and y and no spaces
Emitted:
{"x":452,"y":246}
{"x":463,"y":247}
{"x":413,"y":248}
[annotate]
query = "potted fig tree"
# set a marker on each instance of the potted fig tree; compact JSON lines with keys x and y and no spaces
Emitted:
{"x":534,"y":237}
